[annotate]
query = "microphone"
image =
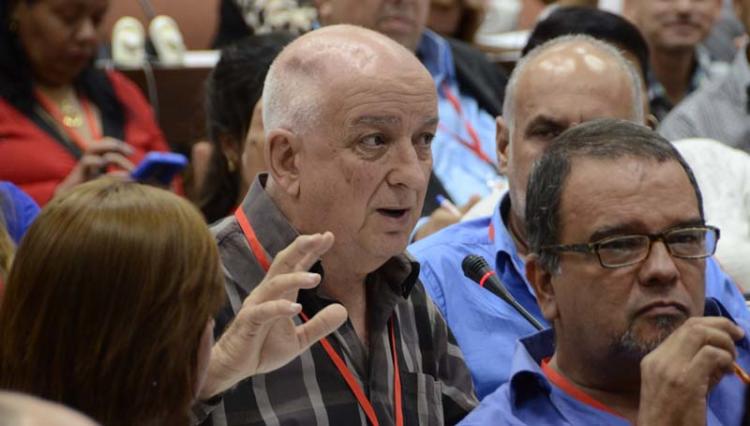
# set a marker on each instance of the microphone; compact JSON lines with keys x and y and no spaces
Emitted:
{"x":476,"y":269}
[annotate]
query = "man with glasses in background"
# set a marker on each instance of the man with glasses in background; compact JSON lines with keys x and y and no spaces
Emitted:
{"x":619,"y":245}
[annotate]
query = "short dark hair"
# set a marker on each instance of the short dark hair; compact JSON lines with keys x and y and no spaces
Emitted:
{"x":232,"y":90}
{"x":604,"y":138}
{"x":599,"y":24}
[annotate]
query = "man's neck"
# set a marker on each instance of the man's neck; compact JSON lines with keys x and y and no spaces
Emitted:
{"x":349,"y":289}
{"x":673,"y":69}
{"x":518,"y":233}
{"x":612,"y":386}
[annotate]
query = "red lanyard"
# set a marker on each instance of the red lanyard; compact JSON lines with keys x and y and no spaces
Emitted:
{"x":569,"y":388}
{"x":340,"y":364}
{"x":57,"y":115}
{"x":475,"y":145}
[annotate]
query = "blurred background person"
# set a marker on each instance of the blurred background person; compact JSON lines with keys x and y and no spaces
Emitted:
{"x":225,"y":166}
{"x":674,"y":31}
{"x":459,"y":19}
{"x":62,"y":121}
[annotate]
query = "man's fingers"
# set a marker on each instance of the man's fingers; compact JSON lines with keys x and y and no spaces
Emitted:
{"x":275,"y":287}
{"x":301,"y":254}
{"x":322,"y":324}
{"x":109,"y":145}
{"x":118,"y":160}
{"x":254,"y":317}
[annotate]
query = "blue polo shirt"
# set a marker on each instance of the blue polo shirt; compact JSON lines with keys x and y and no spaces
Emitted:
{"x":486,"y":327}
{"x":529,"y":398}
{"x":461,"y":172}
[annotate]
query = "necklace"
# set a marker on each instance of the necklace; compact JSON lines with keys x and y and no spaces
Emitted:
{"x":71,"y":116}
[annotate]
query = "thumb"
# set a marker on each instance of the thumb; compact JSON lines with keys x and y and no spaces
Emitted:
{"x":322,"y":324}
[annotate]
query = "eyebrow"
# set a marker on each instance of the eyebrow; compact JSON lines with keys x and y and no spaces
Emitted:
{"x":632,"y":228}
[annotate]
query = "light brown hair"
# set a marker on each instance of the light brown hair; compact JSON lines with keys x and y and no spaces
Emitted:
{"x":107,"y":300}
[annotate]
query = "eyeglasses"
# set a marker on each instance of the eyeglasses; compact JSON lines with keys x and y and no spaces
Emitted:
{"x":694,"y":242}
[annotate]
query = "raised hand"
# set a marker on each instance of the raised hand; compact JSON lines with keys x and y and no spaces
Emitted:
{"x":263,"y":335}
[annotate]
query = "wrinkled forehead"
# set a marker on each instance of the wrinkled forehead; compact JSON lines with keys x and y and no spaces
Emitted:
{"x":577,"y":83}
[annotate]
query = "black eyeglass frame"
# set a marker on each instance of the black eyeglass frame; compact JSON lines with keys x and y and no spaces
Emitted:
{"x":593,"y":247}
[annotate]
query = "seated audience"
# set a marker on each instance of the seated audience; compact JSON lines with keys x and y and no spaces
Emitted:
{"x":108,"y":308}
{"x":618,"y":270}
{"x":545,"y":96}
{"x":226,"y":168}
{"x":17,"y":409}
{"x":470,"y":92}
{"x":62,"y":120}
{"x":719,"y":110}
{"x":674,"y":31}
{"x":349,"y":116}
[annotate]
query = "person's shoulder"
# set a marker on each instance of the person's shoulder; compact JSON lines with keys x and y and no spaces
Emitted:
{"x":223,"y":229}
{"x":494,"y":409}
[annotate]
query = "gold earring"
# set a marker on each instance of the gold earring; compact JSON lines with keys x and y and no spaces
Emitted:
{"x":230,"y":165}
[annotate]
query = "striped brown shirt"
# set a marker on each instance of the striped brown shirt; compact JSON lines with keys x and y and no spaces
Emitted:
{"x":436,"y":385}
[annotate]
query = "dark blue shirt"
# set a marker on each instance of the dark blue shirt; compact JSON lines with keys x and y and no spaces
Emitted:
{"x":529,"y":398}
{"x":486,"y":327}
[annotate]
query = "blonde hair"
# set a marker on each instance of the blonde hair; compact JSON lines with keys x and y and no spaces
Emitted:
{"x":106,"y":303}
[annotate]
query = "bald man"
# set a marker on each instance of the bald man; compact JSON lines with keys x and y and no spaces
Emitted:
{"x":349,"y":117}
{"x":560,"y":84}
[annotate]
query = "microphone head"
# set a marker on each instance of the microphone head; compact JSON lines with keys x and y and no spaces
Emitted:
{"x":475,"y":267}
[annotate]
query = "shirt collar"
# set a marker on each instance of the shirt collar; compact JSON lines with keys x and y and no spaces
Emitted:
{"x":435,"y":54}
{"x":400,"y":272}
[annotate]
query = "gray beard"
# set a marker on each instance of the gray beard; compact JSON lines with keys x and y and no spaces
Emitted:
{"x":633,"y":347}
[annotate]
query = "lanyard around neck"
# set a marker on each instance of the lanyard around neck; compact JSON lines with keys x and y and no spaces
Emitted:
{"x":475,"y":144}
{"x":57,"y":115}
{"x":572,"y":390}
{"x":338,"y":362}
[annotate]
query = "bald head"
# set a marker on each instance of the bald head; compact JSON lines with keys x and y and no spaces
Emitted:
{"x":565,"y":61}
{"x":302,"y":77}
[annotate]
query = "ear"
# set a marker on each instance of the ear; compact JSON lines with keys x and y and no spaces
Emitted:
{"x":541,"y":281}
{"x":502,"y":141}
{"x":282,"y":152}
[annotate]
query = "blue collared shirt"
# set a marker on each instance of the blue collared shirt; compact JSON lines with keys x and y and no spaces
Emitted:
{"x":461,"y":172}
{"x":486,"y":327}
{"x":529,"y":398}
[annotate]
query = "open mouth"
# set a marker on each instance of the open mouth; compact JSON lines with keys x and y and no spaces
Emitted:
{"x":394,"y":213}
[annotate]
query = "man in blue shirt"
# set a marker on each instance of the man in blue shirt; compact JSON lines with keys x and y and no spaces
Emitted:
{"x":616,"y":229}
{"x":470,"y":92}
{"x":558,"y":85}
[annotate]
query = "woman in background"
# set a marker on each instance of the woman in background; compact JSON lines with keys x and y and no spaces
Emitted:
{"x":62,"y":121}
{"x":225,"y":168}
